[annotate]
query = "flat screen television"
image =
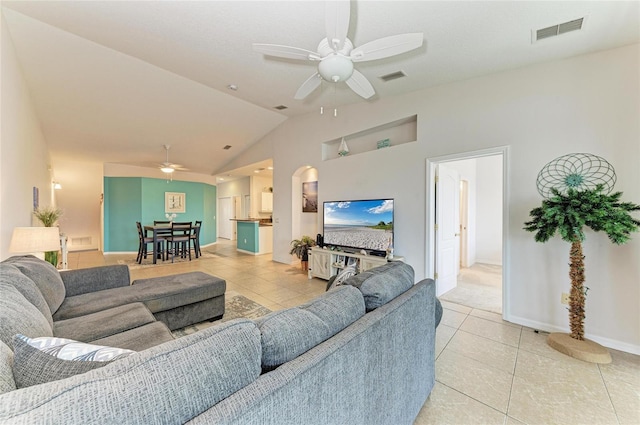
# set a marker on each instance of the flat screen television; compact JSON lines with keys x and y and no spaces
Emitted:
{"x":359,"y":224}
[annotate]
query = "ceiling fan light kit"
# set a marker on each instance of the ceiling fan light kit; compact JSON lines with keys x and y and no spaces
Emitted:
{"x":167,"y":167}
{"x":336,"y":53}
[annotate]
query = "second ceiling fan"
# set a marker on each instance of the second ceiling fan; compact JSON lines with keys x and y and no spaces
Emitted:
{"x":168,"y":167}
{"x":336,"y":54}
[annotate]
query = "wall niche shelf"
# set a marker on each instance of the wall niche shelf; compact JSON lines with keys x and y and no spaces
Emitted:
{"x":398,"y":132}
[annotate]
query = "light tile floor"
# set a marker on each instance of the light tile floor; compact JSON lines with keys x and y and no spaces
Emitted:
{"x":488,"y":371}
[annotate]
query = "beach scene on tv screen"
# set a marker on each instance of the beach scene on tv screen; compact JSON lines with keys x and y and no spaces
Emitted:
{"x":359,"y":224}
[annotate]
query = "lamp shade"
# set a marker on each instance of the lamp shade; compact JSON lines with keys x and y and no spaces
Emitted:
{"x":26,"y":240}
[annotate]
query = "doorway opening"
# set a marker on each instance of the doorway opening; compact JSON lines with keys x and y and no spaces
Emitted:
{"x":229,"y":209}
{"x":467,"y":228}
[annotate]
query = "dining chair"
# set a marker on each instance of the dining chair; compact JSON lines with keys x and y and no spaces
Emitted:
{"x":162,"y":235}
{"x":195,"y":236}
{"x":143,"y":242}
{"x":179,"y":242}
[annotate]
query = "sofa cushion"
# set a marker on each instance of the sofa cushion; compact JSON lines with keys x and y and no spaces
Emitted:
{"x":288,"y":333}
{"x":381,"y":284}
{"x":167,"y":292}
{"x":45,"y":276}
{"x":19,"y":316}
{"x":158,"y":294}
{"x":102,"y":324}
{"x":81,"y":281}
{"x":40,"y":360}
{"x":6,"y":369}
{"x":139,"y":338}
{"x":169,"y":383}
{"x":10,"y":274}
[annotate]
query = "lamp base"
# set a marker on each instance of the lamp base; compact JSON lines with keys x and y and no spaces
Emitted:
{"x":585,"y":350}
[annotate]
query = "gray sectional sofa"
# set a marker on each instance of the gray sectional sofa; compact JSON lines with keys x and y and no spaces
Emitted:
{"x":360,"y":354}
{"x":101,"y":305}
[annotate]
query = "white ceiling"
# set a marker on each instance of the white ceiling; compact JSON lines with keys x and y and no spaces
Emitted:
{"x":113,"y":81}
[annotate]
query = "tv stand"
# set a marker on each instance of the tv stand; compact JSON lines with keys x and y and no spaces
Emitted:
{"x":324,"y":263}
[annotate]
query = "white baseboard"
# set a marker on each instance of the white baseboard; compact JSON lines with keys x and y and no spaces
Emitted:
{"x":490,"y":262}
{"x":607,"y":342}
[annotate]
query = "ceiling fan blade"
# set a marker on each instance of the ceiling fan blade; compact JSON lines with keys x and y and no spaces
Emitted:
{"x":359,"y":84}
{"x":387,"y":46}
{"x":337,"y":15}
{"x":308,"y":86}
{"x":287,"y":52}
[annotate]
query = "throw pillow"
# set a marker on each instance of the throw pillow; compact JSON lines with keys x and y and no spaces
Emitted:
{"x":381,"y":284}
{"x":45,"y":276}
{"x":6,"y":374}
{"x":45,"y":359}
{"x":344,"y":274}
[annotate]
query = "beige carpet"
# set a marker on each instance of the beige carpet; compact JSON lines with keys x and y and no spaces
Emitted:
{"x":235,"y":306}
{"x":479,"y":286}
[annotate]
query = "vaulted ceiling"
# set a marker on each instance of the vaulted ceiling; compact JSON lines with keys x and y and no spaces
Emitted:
{"x":114,"y":81}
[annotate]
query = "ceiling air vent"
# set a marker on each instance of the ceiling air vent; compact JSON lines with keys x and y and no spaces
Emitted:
{"x":280,"y":107}
{"x":227,"y":147}
{"x":555,"y":30}
{"x":393,"y":76}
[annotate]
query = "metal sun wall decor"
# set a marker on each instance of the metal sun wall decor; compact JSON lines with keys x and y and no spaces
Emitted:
{"x":579,"y":171}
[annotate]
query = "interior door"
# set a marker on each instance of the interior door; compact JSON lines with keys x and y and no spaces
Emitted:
{"x":447,"y":228}
{"x":225,"y":225}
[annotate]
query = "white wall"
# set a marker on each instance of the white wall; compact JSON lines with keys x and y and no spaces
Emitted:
{"x":489,"y":210}
{"x":81,"y":203}
{"x":589,"y":103}
{"x":24,"y":155}
{"x":238,"y":187}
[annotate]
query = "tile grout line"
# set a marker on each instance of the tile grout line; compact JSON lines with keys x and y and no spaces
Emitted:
{"x":513,"y":375}
{"x":606,"y":388}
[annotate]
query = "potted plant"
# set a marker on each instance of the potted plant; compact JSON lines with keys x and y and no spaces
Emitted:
{"x":49,"y":216}
{"x":300,"y":247}
{"x":568,"y":214}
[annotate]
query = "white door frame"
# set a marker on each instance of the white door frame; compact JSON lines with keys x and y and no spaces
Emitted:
{"x":431,"y":217}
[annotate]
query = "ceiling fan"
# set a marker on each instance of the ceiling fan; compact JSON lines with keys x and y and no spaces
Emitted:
{"x":167,"y":167}
{"x":336,"y":54}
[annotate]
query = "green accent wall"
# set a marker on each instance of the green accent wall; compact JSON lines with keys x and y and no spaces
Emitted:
{"x":131,"y":199}
{"x":248,"y":236}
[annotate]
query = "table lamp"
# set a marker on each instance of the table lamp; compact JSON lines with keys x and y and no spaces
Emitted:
{"x":35,"y":240}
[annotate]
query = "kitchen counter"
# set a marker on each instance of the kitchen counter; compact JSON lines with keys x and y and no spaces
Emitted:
{"x":261,"y":221}
{"x":255,"y":235}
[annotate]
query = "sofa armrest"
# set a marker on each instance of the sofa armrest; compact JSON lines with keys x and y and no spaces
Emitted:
{"x":93,"y":279}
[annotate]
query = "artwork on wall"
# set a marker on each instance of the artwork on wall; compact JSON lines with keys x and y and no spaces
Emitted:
{"x":174,"y":202}
{"x":36,"y":198}
{"x":310,"y":197}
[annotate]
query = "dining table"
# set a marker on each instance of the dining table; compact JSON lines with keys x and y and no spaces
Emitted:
{"x":156,"y":230}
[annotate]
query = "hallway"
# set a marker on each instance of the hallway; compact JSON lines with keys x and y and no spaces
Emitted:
{"x":479,"y":286}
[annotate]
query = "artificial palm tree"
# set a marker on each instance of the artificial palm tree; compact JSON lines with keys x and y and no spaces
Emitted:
{"x":577,"y":188}
{"x":568,"y":214}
